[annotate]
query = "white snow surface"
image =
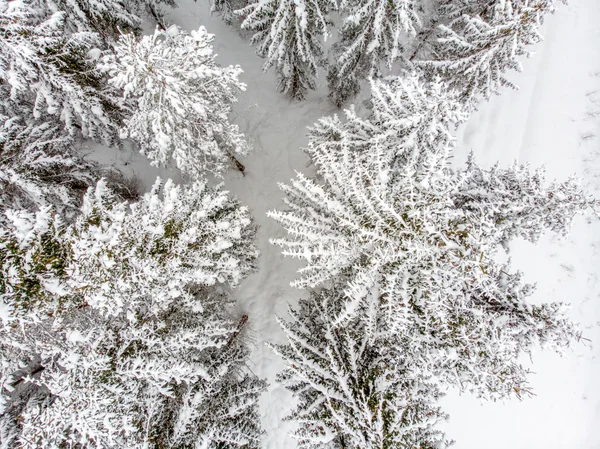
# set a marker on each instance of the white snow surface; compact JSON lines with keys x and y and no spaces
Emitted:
{"x":552,"y":120}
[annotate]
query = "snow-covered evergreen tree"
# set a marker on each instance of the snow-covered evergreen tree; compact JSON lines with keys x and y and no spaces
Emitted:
{"x":179,"y":99}
{"x":425,"y":237}
{"x":107,"y":18}
{"x":357,"y":388}
{"x":40,"y":167}
{"x":104,"y":17}
{"x":483,"y":41}
{"x":194,"y":235}
{"x":290,"y":35}
{"x":47,"y":74}
{"x":408,"y":118}
{"x":123,"y":313}
{"x":372,"y":31}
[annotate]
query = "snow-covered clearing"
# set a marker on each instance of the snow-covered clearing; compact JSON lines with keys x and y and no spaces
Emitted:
{"x":549,"y":121}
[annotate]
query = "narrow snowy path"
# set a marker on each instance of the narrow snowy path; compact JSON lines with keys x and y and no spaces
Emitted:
{"x":545,"y":123}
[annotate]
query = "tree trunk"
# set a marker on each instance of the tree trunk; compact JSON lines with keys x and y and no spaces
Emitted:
{"x":426,"y":37}
{"x":35,"y":371}
{"x":237,"y":164}
{"x":156,"y":17}
{"x":238,"y":329}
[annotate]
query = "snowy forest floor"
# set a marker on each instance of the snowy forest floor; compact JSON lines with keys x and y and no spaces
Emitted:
{"x":553,"y":120}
